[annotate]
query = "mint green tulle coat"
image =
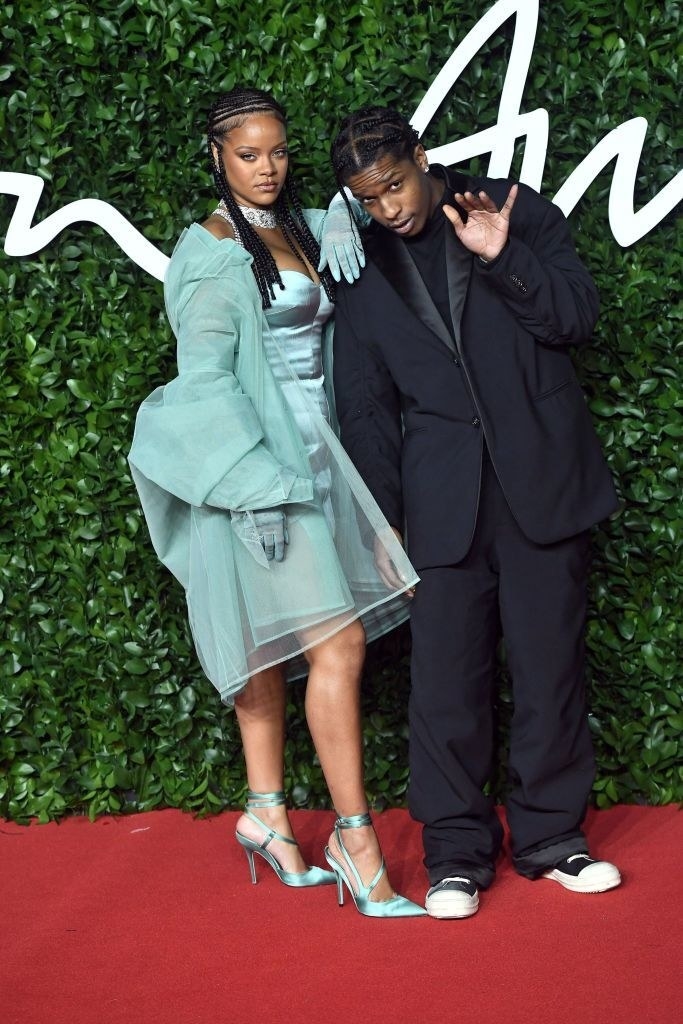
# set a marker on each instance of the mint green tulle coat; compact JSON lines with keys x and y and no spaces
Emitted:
{"x":219,"y":442}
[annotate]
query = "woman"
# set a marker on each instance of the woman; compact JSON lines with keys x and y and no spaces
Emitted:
{"x":252,"y":503}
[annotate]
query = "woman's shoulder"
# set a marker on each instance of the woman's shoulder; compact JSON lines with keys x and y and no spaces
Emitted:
{"x":210,"y":238}
{"x":200,"y":256}
{"x":201,"y":251}
{"x":217,"y":226}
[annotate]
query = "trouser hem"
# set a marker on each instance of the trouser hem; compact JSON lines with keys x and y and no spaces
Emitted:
{"x":534,"y":864}
{"x":480,"y":875}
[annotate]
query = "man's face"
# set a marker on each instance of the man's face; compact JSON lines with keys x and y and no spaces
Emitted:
{"x":399,"y":194}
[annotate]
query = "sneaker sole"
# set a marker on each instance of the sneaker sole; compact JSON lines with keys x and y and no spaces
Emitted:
{"x":576,"y":885}
{"x":444,"y":910}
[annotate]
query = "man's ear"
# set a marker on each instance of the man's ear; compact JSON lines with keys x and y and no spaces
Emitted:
{"x":420,"y":157}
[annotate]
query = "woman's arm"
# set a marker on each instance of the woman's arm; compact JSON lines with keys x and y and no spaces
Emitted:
{"x":341,"y":247}
{"x":201,"y":437}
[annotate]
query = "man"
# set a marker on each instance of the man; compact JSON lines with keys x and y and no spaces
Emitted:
{"x":459,"y":404}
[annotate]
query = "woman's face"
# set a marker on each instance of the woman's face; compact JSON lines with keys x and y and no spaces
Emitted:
{"x":255,"y":159}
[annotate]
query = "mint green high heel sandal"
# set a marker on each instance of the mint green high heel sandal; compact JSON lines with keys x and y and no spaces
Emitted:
{"x":397,"y":906}
{"x":313,"y":876}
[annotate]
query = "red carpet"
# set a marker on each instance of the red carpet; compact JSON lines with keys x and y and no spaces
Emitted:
{"x":151,"y":919}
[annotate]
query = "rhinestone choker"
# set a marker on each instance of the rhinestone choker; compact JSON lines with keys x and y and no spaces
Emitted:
{"x":259,"y":218}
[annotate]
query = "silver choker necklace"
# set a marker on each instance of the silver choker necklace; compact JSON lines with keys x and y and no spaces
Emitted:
{"x":259,"y":218}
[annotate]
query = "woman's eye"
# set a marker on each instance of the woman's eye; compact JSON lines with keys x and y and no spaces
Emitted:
{"x":366,"y":202}
{"x":395,"y":185}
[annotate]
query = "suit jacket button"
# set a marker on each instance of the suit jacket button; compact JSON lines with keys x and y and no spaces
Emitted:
{"x":456,"y":362}
{"x":475,"y":421}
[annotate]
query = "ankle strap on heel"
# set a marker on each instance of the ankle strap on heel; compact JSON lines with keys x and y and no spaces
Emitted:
{"x":259,"y":800}
{"x":355,"y":821}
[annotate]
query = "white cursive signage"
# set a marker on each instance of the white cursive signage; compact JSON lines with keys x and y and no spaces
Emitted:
{"x":625,"y":143}
{"x":23,"y":240}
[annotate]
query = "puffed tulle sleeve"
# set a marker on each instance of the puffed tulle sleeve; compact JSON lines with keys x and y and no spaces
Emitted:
{"x":218,"y":442}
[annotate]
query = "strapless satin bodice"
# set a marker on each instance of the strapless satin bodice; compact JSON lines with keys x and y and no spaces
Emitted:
{"x":296,"y":320}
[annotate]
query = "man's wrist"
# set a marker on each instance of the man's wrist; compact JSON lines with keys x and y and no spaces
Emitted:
{"x":487,"y":260}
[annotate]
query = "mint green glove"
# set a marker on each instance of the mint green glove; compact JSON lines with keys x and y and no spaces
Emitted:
{"x":340,"y":246}
{"x":271,"y":525}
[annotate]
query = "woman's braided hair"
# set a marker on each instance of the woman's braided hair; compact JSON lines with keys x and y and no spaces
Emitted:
{"x":230,"y":111}
{"x":367,"y":135}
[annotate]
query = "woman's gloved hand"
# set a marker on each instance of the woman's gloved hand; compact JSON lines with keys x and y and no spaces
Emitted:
{"x":340,"y":246}
{"x":271,"y":526}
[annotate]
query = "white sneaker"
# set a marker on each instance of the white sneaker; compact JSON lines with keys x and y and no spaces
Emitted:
{"x":453,"y":897}
{"x":580,"y":873}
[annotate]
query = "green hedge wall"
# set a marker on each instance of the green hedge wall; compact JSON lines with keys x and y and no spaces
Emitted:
{"x":103,"y":707}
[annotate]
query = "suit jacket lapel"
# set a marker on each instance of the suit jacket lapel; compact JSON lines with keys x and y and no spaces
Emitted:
{"x":393,"y":260}
{"x":458,"y":258}
{"x":458,"y":269}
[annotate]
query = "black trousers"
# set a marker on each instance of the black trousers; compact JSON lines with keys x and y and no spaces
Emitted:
{"x":535,"y":596}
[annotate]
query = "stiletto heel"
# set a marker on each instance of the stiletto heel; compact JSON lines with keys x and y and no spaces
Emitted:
{"x":340,"y":885}
{"x":312,"y":876}
{"x":250,"y":860}
{"x":397,"y":906}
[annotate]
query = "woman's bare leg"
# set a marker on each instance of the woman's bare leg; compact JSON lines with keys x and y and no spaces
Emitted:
{"x":260,"y":710}
{"x":333,"y":713}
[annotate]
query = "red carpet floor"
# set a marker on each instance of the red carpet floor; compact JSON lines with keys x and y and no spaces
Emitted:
{"x":151,"y":919}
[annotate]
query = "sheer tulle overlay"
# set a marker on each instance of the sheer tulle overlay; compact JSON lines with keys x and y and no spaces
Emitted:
{"x":239,"y":430}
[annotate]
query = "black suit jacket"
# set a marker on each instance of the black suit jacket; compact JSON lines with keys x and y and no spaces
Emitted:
{"x":414,"y":405}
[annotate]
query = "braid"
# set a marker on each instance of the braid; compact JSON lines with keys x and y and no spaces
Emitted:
{"x":364,"y":137}
{"x":231,"y":111}
{"x":263,"y":265}
{"x":294,"y":227}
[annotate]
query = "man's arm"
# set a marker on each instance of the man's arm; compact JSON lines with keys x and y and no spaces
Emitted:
{"x":368,"y":408}
{"x":526,"y":254}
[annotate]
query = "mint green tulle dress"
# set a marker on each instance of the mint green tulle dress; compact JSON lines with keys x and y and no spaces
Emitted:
{"x":247,"y":424}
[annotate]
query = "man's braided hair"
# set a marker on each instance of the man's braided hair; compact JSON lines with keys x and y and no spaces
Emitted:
{"x":366,"y":136}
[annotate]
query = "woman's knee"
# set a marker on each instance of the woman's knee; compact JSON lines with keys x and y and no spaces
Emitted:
{"x":263,"y":689}
{"x":347,"y":647}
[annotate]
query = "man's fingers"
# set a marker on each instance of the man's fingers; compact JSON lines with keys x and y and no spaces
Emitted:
{"x":482,"y":201}
{"x":388,"y":574}
{"x":453,"y":215}
{"x":470,"y":202}
{"x":385,"y":566}
{"x":510,"y":201}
